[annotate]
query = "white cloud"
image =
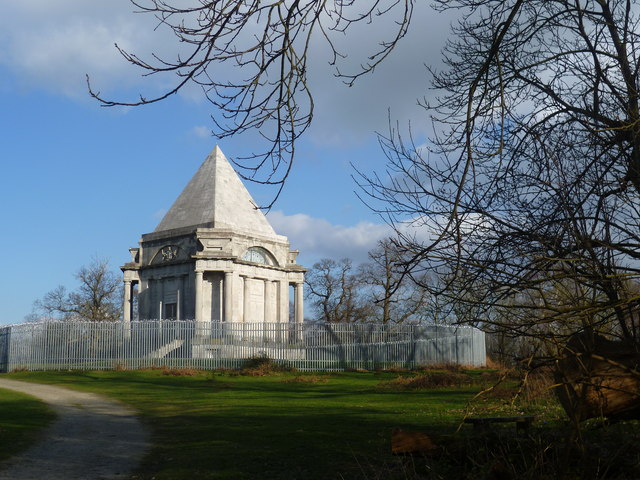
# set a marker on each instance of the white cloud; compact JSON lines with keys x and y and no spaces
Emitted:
{"x":347,"y":115}
{"x":201,"y":131}
{"x":317,"y":238}
{"x":52,"y":45}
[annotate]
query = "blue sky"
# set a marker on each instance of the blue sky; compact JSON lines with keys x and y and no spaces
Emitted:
{"x":79,"y":180}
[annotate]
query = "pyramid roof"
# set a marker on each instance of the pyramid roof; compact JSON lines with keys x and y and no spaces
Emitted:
{"x":216,"y":198}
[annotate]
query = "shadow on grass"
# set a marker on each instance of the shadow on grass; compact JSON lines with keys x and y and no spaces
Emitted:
{"x":22,"y":420}
{"x":229,"y":426}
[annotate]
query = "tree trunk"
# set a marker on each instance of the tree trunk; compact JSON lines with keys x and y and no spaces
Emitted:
{"x":597,"y":377}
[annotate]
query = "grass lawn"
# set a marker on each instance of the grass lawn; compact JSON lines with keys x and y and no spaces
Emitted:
{"x":221,"y":425}
{"x":291,"y":425}
{"x":22,"y":419}
{"x":288,"y":425}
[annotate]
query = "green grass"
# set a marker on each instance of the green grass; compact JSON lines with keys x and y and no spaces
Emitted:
{"x":288,"y":425}
{"x":280,"y":426}
{"x":22,"y":419}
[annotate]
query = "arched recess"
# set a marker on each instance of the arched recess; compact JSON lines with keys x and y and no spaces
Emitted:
{"x":259,"y":255}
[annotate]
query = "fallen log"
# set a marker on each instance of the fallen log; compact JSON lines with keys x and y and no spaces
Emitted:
{"x":598,"y":377}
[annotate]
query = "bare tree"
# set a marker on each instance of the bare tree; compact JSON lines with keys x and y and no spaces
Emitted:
{"x":392,"y":296}
{"x":98,"y":298}
{"x":530,"y":187}
{"x":251,"y":57}
{"x":533,"y":171}
{"x":527,"y":192}
{"x":334,"y":289}
{"x":526,"y":197}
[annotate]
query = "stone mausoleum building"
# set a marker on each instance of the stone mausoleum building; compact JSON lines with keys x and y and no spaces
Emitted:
{"x":214,"y":257}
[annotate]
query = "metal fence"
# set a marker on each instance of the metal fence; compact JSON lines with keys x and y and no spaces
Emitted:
{"x":190,"y":344}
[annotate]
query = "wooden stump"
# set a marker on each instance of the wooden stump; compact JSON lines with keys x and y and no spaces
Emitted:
{"x":597,"y":377}
{"x":407,"y":443}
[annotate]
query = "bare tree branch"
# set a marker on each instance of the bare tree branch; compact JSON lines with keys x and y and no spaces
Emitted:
{"x":251,"y":59}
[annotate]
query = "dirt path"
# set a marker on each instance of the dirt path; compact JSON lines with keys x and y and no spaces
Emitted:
{"x":92,"y":438}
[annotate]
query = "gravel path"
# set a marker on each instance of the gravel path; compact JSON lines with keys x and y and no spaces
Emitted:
{"x":92,"y":438}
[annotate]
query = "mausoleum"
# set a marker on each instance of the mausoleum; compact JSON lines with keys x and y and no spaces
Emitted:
{"x":214,"y":257}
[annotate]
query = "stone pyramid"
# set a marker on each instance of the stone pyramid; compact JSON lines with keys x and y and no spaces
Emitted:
{"x":216,"y":198}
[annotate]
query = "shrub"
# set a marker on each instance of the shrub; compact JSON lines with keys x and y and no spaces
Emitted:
{"x":119,"y":366}
{"x":181,"y":372}
{"x":429,"y":380}
{"x":261,"y":365}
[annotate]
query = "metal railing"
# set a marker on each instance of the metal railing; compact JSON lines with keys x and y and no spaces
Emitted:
{"x":190,"y":344}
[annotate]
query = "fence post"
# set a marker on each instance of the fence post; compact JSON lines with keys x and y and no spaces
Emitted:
{"x":4,"y":349}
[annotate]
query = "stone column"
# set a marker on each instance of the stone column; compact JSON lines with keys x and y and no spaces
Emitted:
{"x":160,"y":288}
{"x":268,"y":302}
{"x":198,"y":288}
{"x":245,"y":301}
{"x":179,"y":301}
{"x":299,"y":302}
{"x":228,"y":297}
{"x":126,"y":314}
{"x":283,"y":313}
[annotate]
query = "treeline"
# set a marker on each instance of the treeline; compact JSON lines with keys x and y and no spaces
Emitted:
{"x":380,"y":290}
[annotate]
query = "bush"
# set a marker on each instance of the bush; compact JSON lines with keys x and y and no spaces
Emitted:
{"x":261,"y":365}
